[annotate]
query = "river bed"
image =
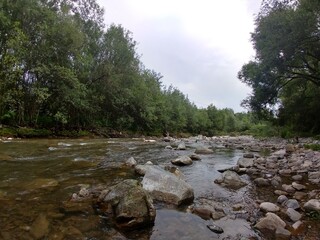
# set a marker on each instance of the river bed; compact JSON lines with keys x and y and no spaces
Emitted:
{"x":38,"y":176}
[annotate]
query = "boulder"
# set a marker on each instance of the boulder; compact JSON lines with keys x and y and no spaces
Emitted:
{"x":131,"y":162}
{"x":182,"y":161}
{"x":165,"y":186}
{"x":195,"y":157}
{"x":181,"y":146}
{"x":142,"y":169}
{"x":128,"y":204}
{"x":312,"y":205}
{"x":201,"y":149}
{"x":245,"y":162}
{"x":270,"y":223}
{"x":231,"y":179}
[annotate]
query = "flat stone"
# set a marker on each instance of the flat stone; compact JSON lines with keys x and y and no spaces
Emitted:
{"x":40,"y":227}
{"x":297,"y":177}
{"x":297,"y":225}
{"x":182,"y":161}
{"x":288,"y":188}
{"x":298,"y":186}
{"x":293,"y":214}
{"x":269,"y":207}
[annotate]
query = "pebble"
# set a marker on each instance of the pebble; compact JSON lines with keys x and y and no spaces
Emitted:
{"x":215,"y":228}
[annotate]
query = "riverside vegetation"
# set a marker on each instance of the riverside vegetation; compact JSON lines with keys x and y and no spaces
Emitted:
{"x":64,"y":73}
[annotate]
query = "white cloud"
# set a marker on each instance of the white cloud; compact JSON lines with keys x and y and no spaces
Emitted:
{"x":198,"y":46}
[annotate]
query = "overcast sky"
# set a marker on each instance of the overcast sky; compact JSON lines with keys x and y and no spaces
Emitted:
{"x":197,"y":45}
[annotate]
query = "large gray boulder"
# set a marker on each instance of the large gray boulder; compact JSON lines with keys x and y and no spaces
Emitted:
{"x":165,"y":186}
{"x":231,"y":179}
{"x":128,"y":204}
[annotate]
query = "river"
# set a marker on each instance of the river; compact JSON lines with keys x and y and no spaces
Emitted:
{"x":38,"y":176}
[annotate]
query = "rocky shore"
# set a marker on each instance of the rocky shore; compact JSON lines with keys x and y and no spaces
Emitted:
{"x":284,"y":177}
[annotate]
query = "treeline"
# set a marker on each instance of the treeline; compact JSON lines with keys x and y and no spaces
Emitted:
{"x":285,"y":75}
{"x":60,"y":68}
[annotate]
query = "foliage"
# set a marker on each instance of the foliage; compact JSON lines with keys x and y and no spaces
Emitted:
{"x":285,"y":74}
{"x":314,"y":146}
{"x":61,"y":69}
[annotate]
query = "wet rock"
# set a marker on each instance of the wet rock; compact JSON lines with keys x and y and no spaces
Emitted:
{"x":312,"y":205}
{"x":195,"y":157}
{"x":215,"y":228}
{"x":142,"y":169}
{"x":40,"y":227}
{"x":203,"y":150}
{"x":181,"y":146}
{"x":5,"y":157}
{"x":182,"y":161}
{"x":231,"y":179}
{"x":293,"y":214}
{"x":166,"y":187}
{"x":204,"y":213}
{"x":129,"y":205}
{"x":174,"y":170}
{"x":261,"y":182}
{"x":281,"y":199}
{"x":131,"y":162}
{"x":291,"y":203}
{"x":168,"y":147}
{"x":245,"y":162}
{"x":77,"y":207}
{"x":269,"y":207}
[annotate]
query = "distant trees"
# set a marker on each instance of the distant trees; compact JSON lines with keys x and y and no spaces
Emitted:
{"x":285,"y":75}
{"x":61,"y":69}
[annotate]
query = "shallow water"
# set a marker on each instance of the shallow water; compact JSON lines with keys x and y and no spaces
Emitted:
{"x":38,"y":176}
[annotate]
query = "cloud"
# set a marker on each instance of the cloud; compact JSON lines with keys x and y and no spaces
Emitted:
{"x":198,"y":46}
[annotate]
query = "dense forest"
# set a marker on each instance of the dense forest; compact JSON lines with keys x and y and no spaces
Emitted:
{"x":62,"y":68}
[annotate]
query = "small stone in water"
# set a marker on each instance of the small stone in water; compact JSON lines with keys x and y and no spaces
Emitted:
{"x":215,"y":228}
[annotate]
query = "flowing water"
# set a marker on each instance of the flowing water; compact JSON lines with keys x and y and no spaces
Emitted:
{"x":38,"y":176}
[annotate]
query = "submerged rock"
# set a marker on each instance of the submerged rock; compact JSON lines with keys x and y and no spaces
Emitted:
{"x":231,"y":179}
{"x":165,"y":186}
{"x":129,"y":205}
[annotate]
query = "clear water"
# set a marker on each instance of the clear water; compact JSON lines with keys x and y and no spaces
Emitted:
{"x":38,"y":176}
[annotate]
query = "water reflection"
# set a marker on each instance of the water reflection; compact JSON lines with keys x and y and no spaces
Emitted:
{"x":37,"y":176}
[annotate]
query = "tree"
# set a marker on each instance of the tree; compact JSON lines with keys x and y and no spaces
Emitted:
{"x":287,"y":44}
